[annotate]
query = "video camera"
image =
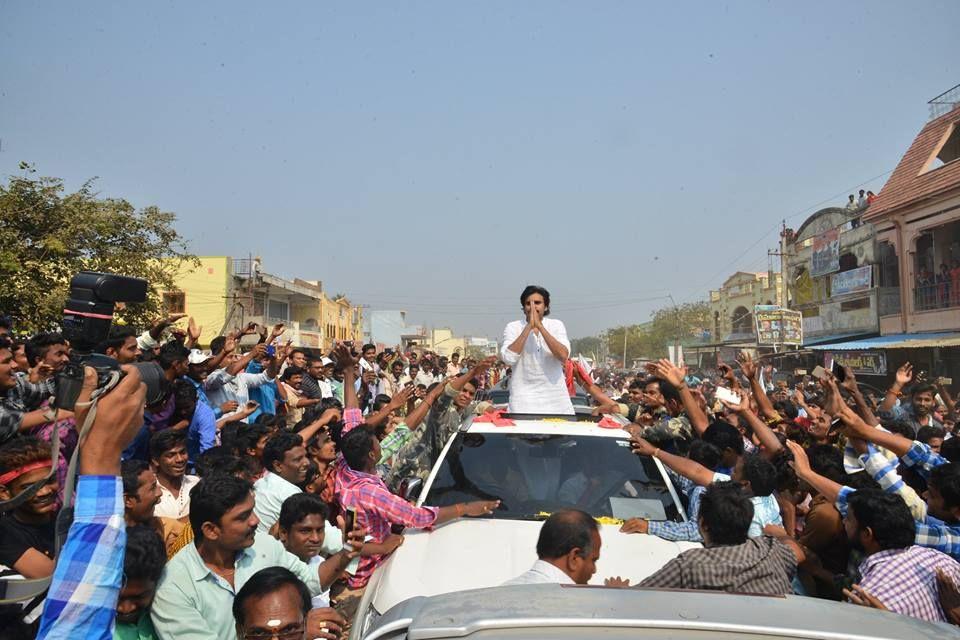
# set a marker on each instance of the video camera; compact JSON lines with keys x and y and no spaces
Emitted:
{"x":87,"y":317}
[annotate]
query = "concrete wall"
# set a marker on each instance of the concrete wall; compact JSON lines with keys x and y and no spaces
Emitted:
{"x":206,"y":294}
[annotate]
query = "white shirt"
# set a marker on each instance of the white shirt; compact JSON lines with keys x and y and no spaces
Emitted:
{"x":537,"y":384}
{"x":541,"y":573}
{"x":176,"y":508}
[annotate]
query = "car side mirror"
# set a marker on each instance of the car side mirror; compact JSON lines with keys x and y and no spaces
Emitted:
{"x":410,"y":489}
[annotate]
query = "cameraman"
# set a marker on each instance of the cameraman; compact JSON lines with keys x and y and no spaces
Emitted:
{"x":86,"y":584}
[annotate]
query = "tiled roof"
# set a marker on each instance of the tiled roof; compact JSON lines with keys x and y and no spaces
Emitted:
{"x":907,"y":185}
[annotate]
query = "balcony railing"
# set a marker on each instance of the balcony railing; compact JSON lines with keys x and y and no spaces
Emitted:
{"x":940,"y":295}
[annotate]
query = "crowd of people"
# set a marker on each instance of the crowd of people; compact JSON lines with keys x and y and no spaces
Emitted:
{"x":258,"y":492}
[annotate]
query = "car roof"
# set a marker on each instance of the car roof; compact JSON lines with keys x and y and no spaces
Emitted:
{"x":553,"y":609}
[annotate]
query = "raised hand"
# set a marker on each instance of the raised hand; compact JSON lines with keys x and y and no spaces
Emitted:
{"x":904,"y":374}
{"x":800,"y":460}
{"x":277,"y":331}
{"x":849,"y":380}
{"x":665,"y":369}
{"x":193,"y":330}
{"x":641,"y":446}
{"x":747,"y":365}
{"x":345,"y":357}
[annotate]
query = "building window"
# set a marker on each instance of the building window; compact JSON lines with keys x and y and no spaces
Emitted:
{"x":742,"y":321}
{"x":174,"y":302}
{"x":948,"y":151}
{"x":259,"y":304}
{"x":848,"y":261}
{"x":278,"y":310}
{"x":889,"y":272}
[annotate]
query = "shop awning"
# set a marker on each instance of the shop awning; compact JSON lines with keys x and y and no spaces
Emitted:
{"x":896,"y":341}
{"x":837,"y":337}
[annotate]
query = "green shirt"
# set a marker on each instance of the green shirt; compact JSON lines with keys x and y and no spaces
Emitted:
{"x":143,"y":630}
{"x":193,"y":603}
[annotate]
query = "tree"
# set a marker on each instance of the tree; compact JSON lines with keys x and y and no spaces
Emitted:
{"x":588,"y":346}
{"x":668,"y":326}
{"x":47,"y":236}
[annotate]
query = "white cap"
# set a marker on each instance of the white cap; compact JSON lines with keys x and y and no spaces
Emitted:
{"x":198,"y":357}
{"x":325,"y":361}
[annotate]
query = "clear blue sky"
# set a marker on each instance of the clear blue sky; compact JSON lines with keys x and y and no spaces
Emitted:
{"x":439,"y":156}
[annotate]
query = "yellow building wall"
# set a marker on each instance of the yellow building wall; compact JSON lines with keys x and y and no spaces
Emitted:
{"x":205,"y":289}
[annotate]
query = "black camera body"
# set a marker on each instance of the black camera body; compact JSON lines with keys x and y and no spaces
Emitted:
{"x":87,"y":317}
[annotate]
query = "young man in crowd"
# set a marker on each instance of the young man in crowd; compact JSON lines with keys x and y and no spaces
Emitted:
{"x":141,"y":495}
{"x":670,"y":412}
{"x":898,"y":574}
{"x":121,"y":345}
{"x":195,"y":595}
{"x":292,"y":396}
{"x":285,"y":461}
{"x":168,"y":460}
{"x":143,"y":561}
{"x":194,"y":419}
{"x":315,"y":384}
{"x":20,"y":399}
{"x":730,"y":560}
{"x":417,"y":457}
{"x":396,"y":379}
{"x":27,"y":533}
{"x":919,"y":413}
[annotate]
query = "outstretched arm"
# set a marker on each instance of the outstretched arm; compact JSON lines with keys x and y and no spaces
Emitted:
{"x":684,"y":466}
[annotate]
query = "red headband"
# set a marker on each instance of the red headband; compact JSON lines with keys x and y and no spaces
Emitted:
{"x":16,"y":473}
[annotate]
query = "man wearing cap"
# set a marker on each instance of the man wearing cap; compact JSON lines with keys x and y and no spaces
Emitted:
{"x":199,"y":365}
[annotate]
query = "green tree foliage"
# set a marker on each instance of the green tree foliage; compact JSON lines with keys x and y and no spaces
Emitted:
{"x":47,"y":235}
{"x":589,"y":346}
{"x":682,"y":323}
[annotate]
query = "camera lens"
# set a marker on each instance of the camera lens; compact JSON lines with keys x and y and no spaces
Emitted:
{"x":152,"y":376}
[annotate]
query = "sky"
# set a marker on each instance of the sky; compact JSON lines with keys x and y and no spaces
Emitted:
{"x":437,"y":157}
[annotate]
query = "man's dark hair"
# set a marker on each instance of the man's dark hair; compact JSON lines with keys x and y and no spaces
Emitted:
{"x":886,"y":514}
{"x":636,"y":383}
{"x":23,"y":451}
{"x":217,"y":344}
{"x":163,"y":441}
{"x":704,"y":453}
{"x":277,"y":447}
{"x":786,"y":408}
{"x":292,"y":370}
{"x":368,"y":347}
{"x":295,"y":351}
{"x":219,"y":460}
{"x":667,"y":390}
{"x":145,"y":554}
{"x":130,"y":471}
{"x":299,"y":506}
{"x":184,"y":399}
{"x":265,"y":582}
{"x":356,"y":447}
{"x":313,"y":358}
{"x":117,"y":337}
{"x":946,"y":480}
{"x":826,"y":460}
{"x":724,"y":435}
{"x":380,"y":402}
{"x":37,"y":346}
{"x":171,"y":353}
{"x":924,"y":387}
{"x":726,"y":512}
{"x":248,"y":436}
{"x":950,"y":449}
{"x":564,"y":531}
{"x":928,"y":433}
{"x":531,"y":289}
{"x":214,"y":496}
{"x":760,"y":473}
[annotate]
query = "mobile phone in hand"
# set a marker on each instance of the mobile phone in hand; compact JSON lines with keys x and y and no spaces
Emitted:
{"x":838,"y":372}
{"x":349,"y":520}
{"x":819,"y":373}
{"x":723,"y":393}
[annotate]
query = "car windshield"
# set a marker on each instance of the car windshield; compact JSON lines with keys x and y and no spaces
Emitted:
{"x":536,"y":474}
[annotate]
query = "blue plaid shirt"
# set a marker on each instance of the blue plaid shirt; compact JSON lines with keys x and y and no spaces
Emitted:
{"x":677,"y":531}
{"x":931,"y":532}
{"x":82,"y":600}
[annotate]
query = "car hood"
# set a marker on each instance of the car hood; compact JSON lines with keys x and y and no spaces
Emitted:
{"x":475,"y":553}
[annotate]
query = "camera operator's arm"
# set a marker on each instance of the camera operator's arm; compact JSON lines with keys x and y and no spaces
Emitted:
{"x":85,"y":584}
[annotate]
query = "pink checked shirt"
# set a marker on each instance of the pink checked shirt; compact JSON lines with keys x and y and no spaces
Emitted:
{"x":377,"y":508}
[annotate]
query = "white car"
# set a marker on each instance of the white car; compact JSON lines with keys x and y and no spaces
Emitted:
{"x":534,"y":467}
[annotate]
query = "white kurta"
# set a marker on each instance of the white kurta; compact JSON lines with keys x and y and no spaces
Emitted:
{"x":537,"y":384}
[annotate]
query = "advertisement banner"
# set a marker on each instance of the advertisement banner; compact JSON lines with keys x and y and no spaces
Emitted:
{"x":778,"y":326}
{"x":859,"y":279}
{"x":866,"y":363}
{"x":826,"y":253}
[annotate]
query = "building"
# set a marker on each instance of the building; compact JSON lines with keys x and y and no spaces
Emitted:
{"x":830,"y":263}
{"x":444,"y":343}
{"x":732,"y":305}
{"x":389,"y":329}
{"x":224,"y":293}
{"x":916,"y":217}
